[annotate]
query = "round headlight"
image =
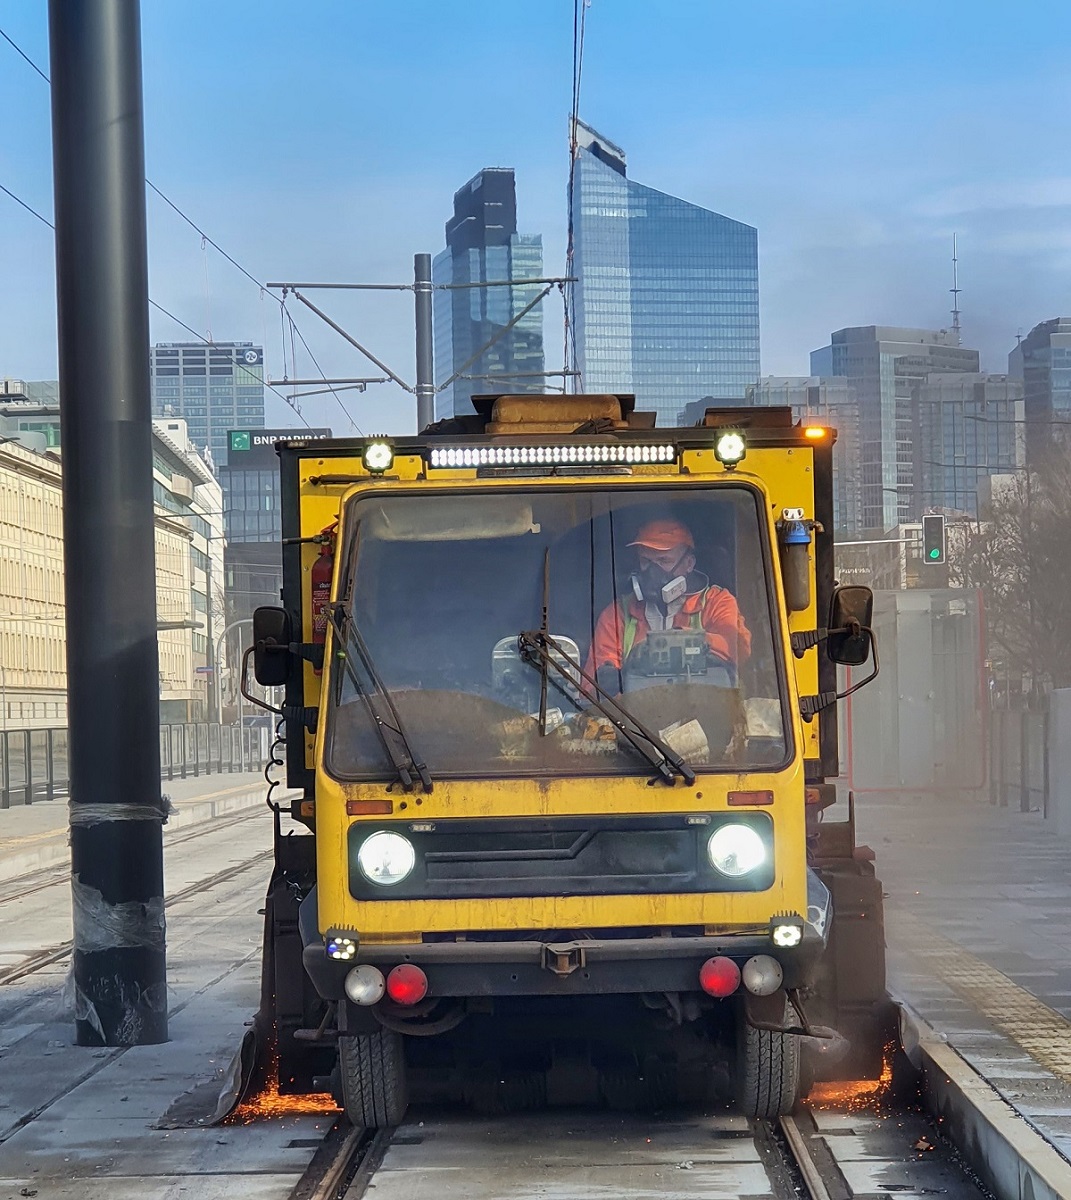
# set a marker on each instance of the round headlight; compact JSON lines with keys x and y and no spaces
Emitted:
{"x":386,"y":858}
{"x":735,"y":850}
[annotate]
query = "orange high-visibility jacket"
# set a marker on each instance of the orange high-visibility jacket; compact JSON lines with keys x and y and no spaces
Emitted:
{"x":623,"y":625}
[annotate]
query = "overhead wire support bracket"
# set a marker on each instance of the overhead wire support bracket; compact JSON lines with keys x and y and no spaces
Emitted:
{"x":453,"y":287}
{"x":351,"y":339}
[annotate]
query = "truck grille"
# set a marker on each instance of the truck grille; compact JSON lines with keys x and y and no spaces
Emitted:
{"x":561,"y":856}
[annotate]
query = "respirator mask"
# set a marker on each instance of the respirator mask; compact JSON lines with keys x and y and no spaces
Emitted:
{"x":654,"y":583}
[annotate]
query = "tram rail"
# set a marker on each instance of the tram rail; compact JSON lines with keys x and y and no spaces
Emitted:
{"x":795,"y":1163}
{"x":31,"y":882}
{"x":48,"y":955}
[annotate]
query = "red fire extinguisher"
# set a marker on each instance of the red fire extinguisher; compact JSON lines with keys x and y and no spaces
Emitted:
{"x":322,"y":570}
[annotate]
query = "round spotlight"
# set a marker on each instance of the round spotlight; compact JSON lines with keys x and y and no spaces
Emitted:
{"x":386,"y":858}
{"x":719,"y":977}
{"x":762,"y":975}
{"x":377,"y":457}
{"x":735,"y":850}
{"x":365,"y":985}
{"x":407,"y":984}
{"x":730,"y":448}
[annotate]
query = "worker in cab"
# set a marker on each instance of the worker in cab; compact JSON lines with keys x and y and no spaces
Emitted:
{"x":667,"y":593}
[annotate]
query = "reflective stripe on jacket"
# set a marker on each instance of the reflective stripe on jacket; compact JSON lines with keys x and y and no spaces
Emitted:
{"x":623,"y":626}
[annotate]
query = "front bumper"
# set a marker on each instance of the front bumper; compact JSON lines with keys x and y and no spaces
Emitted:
{"x":597,"y":967}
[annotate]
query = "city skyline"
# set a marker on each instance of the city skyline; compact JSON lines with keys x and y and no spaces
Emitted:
{"x":822,"y":157}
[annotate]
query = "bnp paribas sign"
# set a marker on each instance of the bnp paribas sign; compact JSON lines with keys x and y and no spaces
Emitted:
{"x":254,"y":449}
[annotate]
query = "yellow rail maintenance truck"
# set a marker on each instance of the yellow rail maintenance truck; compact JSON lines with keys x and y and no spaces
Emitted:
{"x":560,"y":700}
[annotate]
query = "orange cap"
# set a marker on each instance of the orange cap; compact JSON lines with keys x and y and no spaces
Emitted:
{"x":664,"y":535}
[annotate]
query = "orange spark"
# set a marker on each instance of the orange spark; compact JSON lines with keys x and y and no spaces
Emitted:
{"x":270,"y":1102}
{"x":854,"y":1095}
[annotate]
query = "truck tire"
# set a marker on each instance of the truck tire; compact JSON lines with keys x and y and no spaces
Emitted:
{"x":372,"y":1066}
{"x":767,"y":1072}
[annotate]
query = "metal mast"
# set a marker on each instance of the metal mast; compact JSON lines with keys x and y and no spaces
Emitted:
{"x":117,"y":874}
{"x":955,"y":290}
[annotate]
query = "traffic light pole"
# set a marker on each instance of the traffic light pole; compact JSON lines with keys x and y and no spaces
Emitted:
{"x":116,"y":816}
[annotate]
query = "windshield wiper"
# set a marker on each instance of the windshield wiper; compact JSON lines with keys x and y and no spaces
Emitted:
{"x":380,"y":704}
{"x":538,"y":648}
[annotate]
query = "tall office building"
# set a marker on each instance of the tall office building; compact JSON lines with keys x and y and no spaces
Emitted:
{"x":884,"y":367}
{"x":969,"y":427}
{"x":483,"y":245}
{"x":829,"y":402}
{"x":249,"y":476}
{"x":666,"y":303}
{"x":214,"y":387}
{"x":1042,"y":360}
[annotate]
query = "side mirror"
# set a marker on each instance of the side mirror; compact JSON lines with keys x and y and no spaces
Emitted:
{"x":271,"y":646}
{"x":850,"y":613}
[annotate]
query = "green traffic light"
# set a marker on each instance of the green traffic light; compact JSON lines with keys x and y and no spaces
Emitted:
{"x":935,"y":553}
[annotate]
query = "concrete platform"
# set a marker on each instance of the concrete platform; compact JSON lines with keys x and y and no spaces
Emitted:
{"x":978,"y":909}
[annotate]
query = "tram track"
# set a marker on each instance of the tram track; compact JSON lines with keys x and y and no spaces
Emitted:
{"x":31,"y":882}
{"x":792,"y":1157}
{"x":48,"y":955}
{"x":803,"y":1160}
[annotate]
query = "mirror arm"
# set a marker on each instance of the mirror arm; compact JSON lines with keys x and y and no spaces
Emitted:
{"x":308,"y":718}
{"x":802,"y":642}
{"x":808,"y":639}
{"x":310,"y":652}
{"x":810,"y":706}
{"x":873,"y":674}
{"x":244,"y":682}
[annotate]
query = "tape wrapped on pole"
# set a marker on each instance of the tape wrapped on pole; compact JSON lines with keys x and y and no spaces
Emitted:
{"x":97,"y":814}
{"x":101,"y":925}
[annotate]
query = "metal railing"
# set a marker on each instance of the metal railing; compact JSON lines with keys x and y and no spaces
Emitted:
{"x":34,"y":762}
{"x":1019,"y":760}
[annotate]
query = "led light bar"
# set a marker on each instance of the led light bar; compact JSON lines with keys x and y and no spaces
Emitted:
{"x":537,"y":456}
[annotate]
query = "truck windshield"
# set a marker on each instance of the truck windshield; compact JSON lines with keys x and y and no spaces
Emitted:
{"x":661,"y":596}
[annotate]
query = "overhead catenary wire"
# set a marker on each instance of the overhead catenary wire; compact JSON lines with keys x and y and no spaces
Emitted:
{"x":205,"y":240}
{"x":154,"y":304}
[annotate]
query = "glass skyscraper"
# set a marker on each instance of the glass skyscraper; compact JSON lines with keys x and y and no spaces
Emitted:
{"x":1042,"y":360}
{"x":968,"y":428}
{"x":214,"y":387}
{"x":885,"y":367}
{"x":666,"y":303}
{"x":482,"y":245}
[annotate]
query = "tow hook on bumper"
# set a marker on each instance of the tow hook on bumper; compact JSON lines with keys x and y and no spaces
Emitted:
{"x":563,"y":959}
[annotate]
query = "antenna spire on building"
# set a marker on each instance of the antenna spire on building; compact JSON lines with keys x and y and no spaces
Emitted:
{"x":955,"y":290}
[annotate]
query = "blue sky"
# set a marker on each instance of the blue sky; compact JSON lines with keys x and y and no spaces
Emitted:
{"x":324,"y":140}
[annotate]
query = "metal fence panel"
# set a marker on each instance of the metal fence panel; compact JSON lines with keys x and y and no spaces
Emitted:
{"x":34,"y":763}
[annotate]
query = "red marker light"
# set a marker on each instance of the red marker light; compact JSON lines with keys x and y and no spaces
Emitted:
{"x":718,"y":977}
{"x":408,"y":984}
